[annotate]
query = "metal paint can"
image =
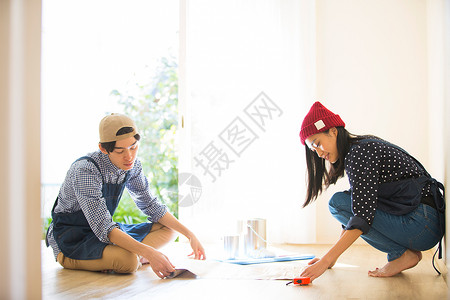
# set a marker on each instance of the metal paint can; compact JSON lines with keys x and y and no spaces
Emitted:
{"x":255,"y":237}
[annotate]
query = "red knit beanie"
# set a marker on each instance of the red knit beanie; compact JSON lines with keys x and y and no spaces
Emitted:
{"x":319,"y":119}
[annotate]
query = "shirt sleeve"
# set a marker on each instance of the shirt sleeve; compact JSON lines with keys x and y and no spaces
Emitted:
{"x":138,"y":188}
{"x":88,"y":191}
{"x":363,"y":164}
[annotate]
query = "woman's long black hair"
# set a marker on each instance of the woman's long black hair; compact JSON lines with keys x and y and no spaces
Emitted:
{"x":317,"y":173}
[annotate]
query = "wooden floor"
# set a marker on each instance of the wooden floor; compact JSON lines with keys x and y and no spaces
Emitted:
{"x":348,"y":280}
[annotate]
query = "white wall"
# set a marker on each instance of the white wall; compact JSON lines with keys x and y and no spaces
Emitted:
{"x":438,"y":21}
{"x":20,"y":223}
{"x":446,"y":110}
{"x":372,"y":70}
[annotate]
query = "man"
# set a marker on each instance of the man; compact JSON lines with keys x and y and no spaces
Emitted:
{"x":84,"y":236}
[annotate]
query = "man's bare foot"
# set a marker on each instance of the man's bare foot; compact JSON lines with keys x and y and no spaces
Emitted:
{"x":143,"y":260}
{"x":408,"y":260}
{"x":107,"y":271}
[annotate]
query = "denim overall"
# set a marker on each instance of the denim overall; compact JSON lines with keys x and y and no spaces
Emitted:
{"x":403,"y":196}
{"x":399,"y":204}
{"x":73,"y":234}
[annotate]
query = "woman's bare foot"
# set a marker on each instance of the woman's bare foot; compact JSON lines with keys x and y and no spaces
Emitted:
{"x":408,"y":260}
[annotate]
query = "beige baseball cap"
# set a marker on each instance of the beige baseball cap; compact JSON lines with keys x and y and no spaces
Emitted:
{"x":111,"y":124}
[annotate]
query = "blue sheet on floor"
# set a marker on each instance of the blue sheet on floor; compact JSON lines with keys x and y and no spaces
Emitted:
{"x":251,"y":261}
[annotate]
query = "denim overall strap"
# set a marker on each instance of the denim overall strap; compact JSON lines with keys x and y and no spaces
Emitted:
{"x":72,"y":231}
{"x":59,"y":215}
{"x":73,"y":234}
{"x":112,"y":193}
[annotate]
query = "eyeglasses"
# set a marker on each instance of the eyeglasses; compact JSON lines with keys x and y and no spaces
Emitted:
{"x":314,"y":145}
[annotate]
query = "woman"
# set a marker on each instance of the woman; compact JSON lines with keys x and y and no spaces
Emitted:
{"x":83,"y":234}
{"x":388,"y":189}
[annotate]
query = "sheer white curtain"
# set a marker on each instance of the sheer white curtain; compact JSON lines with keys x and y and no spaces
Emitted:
{"x":246,"y":81}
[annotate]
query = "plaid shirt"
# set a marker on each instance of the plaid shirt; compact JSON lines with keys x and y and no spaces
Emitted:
{"x":82,"y":190}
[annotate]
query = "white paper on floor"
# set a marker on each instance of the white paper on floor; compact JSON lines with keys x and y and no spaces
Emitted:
{"x":211,"y":269}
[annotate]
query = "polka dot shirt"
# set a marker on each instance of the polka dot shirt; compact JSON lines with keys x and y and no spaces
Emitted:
{"x":370,"y":164}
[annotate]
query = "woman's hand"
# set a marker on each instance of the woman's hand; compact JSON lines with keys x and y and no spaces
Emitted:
{"x":317,"y":259}
{"x":160,"y":263}
{"x":197,"y":248}
{"x":316,"y":268}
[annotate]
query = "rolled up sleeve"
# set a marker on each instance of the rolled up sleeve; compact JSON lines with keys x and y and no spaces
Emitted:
{"x":356,"y":222}
{"x":139,"y":190}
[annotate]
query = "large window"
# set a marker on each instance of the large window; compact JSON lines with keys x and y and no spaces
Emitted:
{"x":107,"y":56}
{"x":246,"y":70}
{"x":248,"y":78}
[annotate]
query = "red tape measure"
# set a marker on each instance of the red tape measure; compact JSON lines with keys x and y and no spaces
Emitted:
{"x":300,"y":281}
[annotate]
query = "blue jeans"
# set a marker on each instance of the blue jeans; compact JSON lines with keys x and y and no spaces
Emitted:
{"x":417,"y":230}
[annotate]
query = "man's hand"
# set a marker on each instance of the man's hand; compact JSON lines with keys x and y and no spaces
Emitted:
{"x":197,"y":249}
{"x":160,"y":263}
